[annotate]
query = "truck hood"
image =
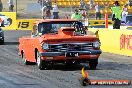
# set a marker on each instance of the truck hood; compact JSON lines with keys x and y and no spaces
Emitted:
{"x":59,"y":38}
{"x":66,"y":34}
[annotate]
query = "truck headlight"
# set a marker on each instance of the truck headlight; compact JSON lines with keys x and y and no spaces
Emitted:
{"x":96,"y":44}
{"x":45,"y":46}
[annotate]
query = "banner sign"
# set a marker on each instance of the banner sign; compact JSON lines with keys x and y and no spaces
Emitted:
{"x":10,"y":22}
{"x":95,"y":22}
{"x":8,"y":19}
{"x":25,"y":24}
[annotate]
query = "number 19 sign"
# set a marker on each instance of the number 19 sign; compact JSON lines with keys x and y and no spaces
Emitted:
{"x":25,"y":24}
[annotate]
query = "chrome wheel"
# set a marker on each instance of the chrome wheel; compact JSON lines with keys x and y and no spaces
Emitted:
{"x":38,"y":59}
{"x":41,"y":63}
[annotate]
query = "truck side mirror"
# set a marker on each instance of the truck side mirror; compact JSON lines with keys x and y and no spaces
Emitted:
{"x":34,"y":31}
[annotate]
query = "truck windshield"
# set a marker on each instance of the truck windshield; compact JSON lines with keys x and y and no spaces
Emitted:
{"x":53,"y":27}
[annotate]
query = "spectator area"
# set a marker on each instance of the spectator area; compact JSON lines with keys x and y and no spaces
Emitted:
{"x":103,"y":3}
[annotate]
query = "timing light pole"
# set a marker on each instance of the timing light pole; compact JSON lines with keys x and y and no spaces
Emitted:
{"x":16,"y":6}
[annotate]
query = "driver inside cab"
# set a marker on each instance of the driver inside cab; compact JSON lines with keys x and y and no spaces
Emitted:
{"x":45,"y":28}
{"x":34,"y":31}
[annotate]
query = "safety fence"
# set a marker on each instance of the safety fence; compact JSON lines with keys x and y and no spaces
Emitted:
{"x":26,"y":24}
{"x":115,"y":41}
{"x":32,"y":9}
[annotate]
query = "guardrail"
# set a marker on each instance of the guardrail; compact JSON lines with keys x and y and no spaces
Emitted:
{"x":27,"y":24}
{"x":115,"y":41}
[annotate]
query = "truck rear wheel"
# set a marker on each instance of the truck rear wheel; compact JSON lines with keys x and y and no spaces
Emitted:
{"x":93,"y":64}
{"x":41,"y":63}
{"x":24,"y":60}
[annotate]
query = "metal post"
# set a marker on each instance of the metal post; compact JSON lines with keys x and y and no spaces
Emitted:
{"x":16,"y":9}
{"x":106,"y":20}
{"x":71,"y":5}
{"x":106,"y":17}
{"x":42,"y":8}
{"x":16,"y":6}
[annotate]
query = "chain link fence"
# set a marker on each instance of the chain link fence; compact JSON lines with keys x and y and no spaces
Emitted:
{"x":30,"y":9}
{"x":4,"y":5}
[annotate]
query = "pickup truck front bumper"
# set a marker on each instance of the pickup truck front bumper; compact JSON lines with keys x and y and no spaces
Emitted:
{"x":88,"y":52}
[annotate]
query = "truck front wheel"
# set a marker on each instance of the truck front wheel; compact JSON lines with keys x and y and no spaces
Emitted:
{"x":93,"y":64}
{"x":41,"y":63}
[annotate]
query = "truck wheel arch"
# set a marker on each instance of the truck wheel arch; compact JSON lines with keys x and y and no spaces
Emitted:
{"x":36,"y":50}
{"x":22,"y":53}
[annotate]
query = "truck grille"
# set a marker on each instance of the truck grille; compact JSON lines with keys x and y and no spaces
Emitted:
{"x":70,"y":47}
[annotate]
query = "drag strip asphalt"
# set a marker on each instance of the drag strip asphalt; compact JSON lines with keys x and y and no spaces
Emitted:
{"x":14,"y":74}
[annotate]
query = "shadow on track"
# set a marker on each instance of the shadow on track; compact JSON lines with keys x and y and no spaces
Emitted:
{"x":63,"y":67}
{"x":114,"y":66}
{"x":101,"y":66}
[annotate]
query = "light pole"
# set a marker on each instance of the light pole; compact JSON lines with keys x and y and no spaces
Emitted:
{"x":106,"y":16}
{"x":42,"y":9}
{"x":16,"y":9}
{"x":71,"y":5}
{"x":16,"y":6}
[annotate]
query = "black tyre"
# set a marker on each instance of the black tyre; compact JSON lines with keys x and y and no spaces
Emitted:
{"x":41,"y":63}
{"x":2,"y":41}
{"x":24,"y":60}
{"x":93,"y":64}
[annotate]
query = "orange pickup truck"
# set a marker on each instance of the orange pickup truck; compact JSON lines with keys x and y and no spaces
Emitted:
{"x":59,"y":41}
